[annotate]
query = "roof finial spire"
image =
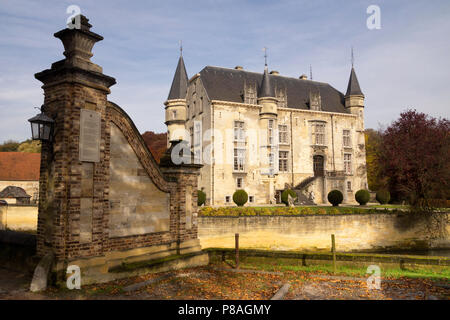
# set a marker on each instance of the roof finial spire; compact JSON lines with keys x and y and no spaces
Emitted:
{"x":353,"y":58}
{"x":310,"y":72}
{"x":181,"y":48}
{"x":265,"y":56}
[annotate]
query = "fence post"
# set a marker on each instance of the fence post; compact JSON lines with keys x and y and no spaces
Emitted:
{"x":236,"y":238}
{"x":333,"y":251}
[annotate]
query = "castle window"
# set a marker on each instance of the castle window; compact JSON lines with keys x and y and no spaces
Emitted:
{"x":251,"y":199}
{"x":198,"y":131}
{"x":174,"y":114}
{"x":283,"y":134}
{"x":191,"y":135}
{"x":318,"y":133}
{"x":201,"y":104}
{"x":271,"y":162}
{"x":349,"y":186}
{"x":346,"y":137}
{"x":347,"y":163}
{"x":270,"y":132}
{"x":239,"y":159}
{"x":227,"y":199}
{"x":239,"y":183}
{"x":283,"y":161}
{"x":239,"y":133}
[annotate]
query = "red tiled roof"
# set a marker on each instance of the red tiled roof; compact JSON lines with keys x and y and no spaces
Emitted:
{"x":23,"y":166}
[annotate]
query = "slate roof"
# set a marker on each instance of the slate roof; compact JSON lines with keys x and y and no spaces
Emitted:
{"x":353,"y":85}
{"x":13,"y":192}
{"x":228,"y":85}
{"x":19,"y":166}
{"x":180,"y":82}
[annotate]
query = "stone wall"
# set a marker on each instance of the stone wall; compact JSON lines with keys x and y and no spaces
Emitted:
{"x":18,"y":218}
{"x":137,"y":205}
{"x":359,"y":232}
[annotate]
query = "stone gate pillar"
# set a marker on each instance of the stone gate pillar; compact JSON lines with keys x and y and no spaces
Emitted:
{"x":186,"y":178}
{"x":73,"y":191}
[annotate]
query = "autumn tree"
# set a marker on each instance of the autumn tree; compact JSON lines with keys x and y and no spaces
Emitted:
{"x":9,"y":146}
{"x":375,"y":177}
{"x":156,"y":142}
{"x":415,"y":156}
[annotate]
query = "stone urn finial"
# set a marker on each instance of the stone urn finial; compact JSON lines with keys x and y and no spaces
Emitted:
{"x":78,"y":44}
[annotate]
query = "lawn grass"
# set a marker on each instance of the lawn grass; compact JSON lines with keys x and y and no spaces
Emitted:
{"x":437,"y":273}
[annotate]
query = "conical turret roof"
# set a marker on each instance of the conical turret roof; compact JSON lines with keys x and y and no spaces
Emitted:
{"x":180,"y":82}
{"x":353,"y":87}
{"x":266,"y":89}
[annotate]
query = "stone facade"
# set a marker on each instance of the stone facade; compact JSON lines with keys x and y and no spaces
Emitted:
{"x":106,"y":194}
{"x":301,"y":139}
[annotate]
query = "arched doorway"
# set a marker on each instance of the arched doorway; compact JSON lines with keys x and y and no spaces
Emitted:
{"x":318,"y":162}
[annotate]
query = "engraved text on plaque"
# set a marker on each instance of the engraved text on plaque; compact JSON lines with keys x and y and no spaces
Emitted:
{"x":90,"y":122}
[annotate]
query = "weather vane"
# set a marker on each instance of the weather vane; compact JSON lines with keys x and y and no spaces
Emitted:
{"x":181,"y":47}
{"x":353,"y":58}
{"x":265,"y":56}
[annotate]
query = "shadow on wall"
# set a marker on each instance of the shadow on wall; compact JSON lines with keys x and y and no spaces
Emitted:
{"x":19,"y":218}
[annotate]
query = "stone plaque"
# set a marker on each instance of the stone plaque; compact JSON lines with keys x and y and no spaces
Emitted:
{"x":90,"y":132}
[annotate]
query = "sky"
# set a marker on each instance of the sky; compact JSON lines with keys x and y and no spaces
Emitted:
{"x":404,"y":64}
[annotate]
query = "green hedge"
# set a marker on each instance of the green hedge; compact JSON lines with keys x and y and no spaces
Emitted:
{"x":201,"y":198}
{"x":335,"y":197}
{"x":285,"y":194}
{"x":383,"y":196}
{"x":240,"y":197}
{"x":362,"y":197}
{"x":283,"y":211}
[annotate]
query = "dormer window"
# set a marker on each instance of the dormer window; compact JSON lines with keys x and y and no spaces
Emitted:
{"x":250,"y":94}
{"x":281,"y":96}
{"x":315,"y":101}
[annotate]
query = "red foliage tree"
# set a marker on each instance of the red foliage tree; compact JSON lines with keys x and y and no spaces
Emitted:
{"x":415,"y":156}
{"x":156,"y":142}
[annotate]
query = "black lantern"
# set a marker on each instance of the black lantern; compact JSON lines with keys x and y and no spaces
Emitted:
{"x":42,"y":127}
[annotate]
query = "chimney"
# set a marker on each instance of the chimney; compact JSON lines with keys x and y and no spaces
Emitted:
{"x":274,"y":72}
{"x":303,"y":77}
{"x":239,"y":68}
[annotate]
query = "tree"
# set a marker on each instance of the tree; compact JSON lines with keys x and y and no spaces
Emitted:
{"x":156,"y":143}
{"x":9,"y":146}
{"x":415,"y":155}
{"x":30,"y":146}
{"x":375,"y":177}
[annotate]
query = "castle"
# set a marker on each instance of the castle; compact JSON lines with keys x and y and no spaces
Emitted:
{"x":265,"y":132}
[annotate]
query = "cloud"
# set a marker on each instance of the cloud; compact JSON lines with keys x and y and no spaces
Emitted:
{"x":404,"y":64}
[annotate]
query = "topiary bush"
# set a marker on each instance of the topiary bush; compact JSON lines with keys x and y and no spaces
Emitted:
{"x":362,"y":196}
{"x":240,"y":197}
{"x":201,"y":198}
{"x":335,"y":197}
{"x":285,"y":194}
{"x":383,"y":196}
